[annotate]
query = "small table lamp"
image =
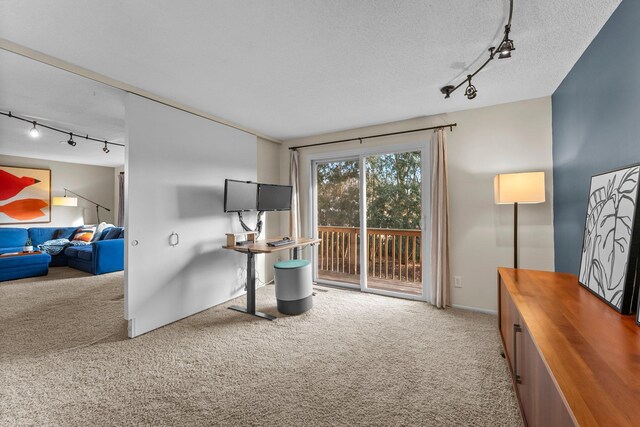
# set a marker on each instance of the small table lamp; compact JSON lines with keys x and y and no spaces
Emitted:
{"x":517,"y":188}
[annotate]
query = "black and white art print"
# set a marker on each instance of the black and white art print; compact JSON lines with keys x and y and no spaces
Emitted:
{"x":610,"y":247}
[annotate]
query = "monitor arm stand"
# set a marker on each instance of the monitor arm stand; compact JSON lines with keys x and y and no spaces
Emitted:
{"x":258,"y":223}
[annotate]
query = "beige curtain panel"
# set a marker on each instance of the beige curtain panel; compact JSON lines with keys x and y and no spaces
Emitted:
{"x":440,"y":231}
{"x":294,"y":181}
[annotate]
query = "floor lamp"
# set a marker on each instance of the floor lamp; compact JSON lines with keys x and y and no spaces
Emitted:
{"x":516,"y":188}
{"x":73,"y":201}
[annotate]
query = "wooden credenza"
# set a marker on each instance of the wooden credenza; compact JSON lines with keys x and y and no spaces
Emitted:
{"x":573,"y":359}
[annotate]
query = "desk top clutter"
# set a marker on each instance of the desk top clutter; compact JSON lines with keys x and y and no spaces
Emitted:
{"x":262,"y":247}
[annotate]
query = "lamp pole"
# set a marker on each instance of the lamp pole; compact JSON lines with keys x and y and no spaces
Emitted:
{"x":98,"y":206}
{"x":515,"y":235}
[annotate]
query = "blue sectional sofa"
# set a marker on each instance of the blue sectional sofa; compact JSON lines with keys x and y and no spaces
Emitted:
{"x":103,"y":256}
{"x":39,"y":235}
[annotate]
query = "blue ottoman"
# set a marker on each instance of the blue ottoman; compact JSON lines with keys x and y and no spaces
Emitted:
{"x":21,"y":266}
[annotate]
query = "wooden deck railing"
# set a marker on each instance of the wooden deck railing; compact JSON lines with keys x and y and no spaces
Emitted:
{"x":392,"y":254}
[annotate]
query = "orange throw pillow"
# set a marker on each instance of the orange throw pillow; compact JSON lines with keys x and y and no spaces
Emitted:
{"x":84,"y":234}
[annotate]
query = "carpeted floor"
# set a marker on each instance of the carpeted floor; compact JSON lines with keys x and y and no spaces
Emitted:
{"x":355,"y":359}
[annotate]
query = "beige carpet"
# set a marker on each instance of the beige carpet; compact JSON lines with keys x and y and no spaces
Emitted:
{"x":355,"y":360}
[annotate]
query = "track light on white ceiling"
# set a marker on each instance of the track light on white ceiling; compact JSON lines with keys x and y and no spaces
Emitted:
{"x":71,"y":142}
{"x":506,"y":45}
{"x":34,"y":132}
{"x":471,"y":91}
{"x":504,"y":50}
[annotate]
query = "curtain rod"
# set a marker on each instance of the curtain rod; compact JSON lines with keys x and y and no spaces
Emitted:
{"x":450,"y":126}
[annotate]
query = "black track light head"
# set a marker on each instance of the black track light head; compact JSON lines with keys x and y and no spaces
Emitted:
{"x":105,"y":148}
{"x":446,"y":90}
{"x":506,"y":46}
{"x":471,"y":91}
{"x":505,"y":49}
{"x":71,"y":142}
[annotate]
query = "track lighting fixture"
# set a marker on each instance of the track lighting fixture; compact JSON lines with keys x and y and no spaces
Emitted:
{"x":471,"y":91}
{"x":34,"y":132}
{"x":71,"y":142}
{"x":506,"y":46}
{"x":504,"y":50}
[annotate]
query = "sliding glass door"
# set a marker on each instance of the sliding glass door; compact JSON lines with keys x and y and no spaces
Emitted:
{"x":338,"y":221}
{"x":368,"y":210}
{"x":394,"y":218}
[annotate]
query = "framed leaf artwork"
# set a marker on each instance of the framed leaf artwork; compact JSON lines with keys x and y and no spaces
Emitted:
{"x":25,"y":195}
{"x":609,"y":263}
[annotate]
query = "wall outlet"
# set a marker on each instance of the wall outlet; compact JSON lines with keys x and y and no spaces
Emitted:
{"x":457,"y":282}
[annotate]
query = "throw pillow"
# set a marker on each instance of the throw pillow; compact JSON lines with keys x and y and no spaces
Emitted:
{"x":99,"y":229}
{"x":84,"y":234}
{"x":104,"y":233}
{"x":114,"y":233}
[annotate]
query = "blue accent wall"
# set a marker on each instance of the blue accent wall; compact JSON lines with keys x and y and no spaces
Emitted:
{"x":596,"y":125}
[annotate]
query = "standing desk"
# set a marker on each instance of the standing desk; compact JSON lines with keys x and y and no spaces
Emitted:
{"x":261,"y":247}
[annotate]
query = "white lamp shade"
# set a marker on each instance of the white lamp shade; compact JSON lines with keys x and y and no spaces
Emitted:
{"x":525,"y":187}
{"x":65,"y":201}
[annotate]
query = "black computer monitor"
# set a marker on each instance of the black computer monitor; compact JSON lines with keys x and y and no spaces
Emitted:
{"x":240,"y":196}
{"x":272,"y":197}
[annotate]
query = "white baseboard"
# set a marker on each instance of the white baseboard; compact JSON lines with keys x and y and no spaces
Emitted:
{"x":479,"y":310}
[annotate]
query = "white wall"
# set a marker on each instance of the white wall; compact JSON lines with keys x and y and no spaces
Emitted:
{"x":505,"y":138}
{"x":269,"y":173}
{"x":175,"y":171}
{"x":92,"y":182}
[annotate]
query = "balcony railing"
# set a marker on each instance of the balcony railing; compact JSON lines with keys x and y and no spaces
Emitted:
{"x":393,"y":255}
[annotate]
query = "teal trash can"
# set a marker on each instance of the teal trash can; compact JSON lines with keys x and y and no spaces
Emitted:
{"x":294,"y":289}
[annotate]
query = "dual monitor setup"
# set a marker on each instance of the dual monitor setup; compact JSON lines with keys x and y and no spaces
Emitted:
{"x":248,"y":196}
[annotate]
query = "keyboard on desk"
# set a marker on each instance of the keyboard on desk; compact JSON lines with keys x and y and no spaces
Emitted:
{"x":278,"y":243}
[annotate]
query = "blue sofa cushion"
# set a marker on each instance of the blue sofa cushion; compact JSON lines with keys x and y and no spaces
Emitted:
{"x":13,"y":238}
{"x":85,"y":252}
{"x":39,"y":235}
{"x":82,"y":252}
{"x":114,"y":233}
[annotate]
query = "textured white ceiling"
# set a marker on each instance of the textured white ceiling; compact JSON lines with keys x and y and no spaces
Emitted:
{"x":62,"y":100}
{"x":292,"y":68}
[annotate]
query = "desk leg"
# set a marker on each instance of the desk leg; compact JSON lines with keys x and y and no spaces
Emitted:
{"x":251,"y":283}
{"x":251,"y":291}
{"x":296,"y":252}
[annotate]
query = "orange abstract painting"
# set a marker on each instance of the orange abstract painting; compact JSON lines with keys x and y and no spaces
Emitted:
{"x":25,"y":195}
